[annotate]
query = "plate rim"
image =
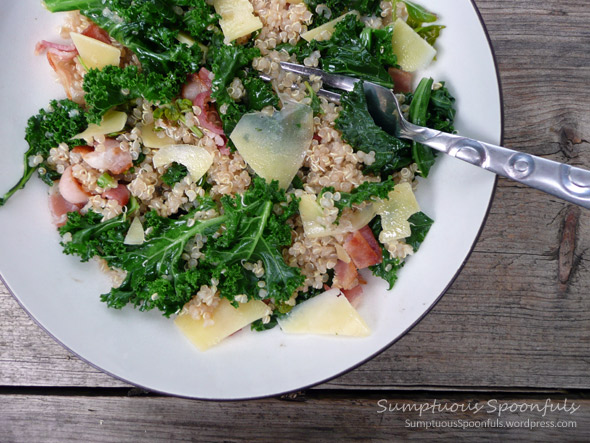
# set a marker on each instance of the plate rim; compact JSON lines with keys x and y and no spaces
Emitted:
{"x":363,"y":361}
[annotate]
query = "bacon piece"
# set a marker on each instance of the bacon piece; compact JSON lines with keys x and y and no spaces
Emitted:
{"x":113,"y":158}
{"x":353,"y":295}
{"x":82,"y":150}
{"x":120,"y":193}
{"x":345,"y":275}
{"x":362,"y":248}
{"x":71,"y":189}
{"x":60,"y":207}
{"x":402,"y":80}
{"x":97,"y":33}
{"x":198,"y":90}
{"x":65,"y":68}
{"x":44,"y":45}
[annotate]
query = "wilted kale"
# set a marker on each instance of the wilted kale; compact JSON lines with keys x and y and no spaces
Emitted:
{"x":365,"y":192}
{"x":259,"y":94}
{"x":158,"y":276}
{"x":358,"y":51}
{"x":433,"y":109}
{"x":113,"y":86}
{"x":58,"y":124}
{"x":174,"y":174}
{"x":254,"y":231}
{"x":226,"y":62}
{"x":420,"y":224}
{"x":360,"y":131}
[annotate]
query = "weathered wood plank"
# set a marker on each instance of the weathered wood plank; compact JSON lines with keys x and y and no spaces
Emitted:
{"x":511,"y":319}
{"x":25,"y":418}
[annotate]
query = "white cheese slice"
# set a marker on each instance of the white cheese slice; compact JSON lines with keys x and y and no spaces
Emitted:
{"x":135,"y":234}
{"x":151,"y":139}
{"x":274,"y":146}
{"x":112,"y":121}
{"x":329,"y":313}
{"x":395,"y":212}
{"x":412,"y":51}
{"x":227,"y":320}
{"x":237,"y":18}
{"x":94,"y":53}
{"x":196,"y":159}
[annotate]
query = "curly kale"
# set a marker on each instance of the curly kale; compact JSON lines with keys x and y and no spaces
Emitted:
{"x":157,"y":274}
{"x":113,"y":86}
{"x":255,"y":231}
{"x":174,"y":174}
{"x":365,"y":192}
{"x":360,"y":131}
{"x":58,"y":124}
{"x":227,"y":61}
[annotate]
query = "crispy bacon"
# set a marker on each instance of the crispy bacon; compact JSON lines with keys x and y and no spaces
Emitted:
{"x":60,"y":207}
{"x":97,"y":33}
{"x":402,"y":80}
{"x":120,"y":193}
{"x":363,"y":249}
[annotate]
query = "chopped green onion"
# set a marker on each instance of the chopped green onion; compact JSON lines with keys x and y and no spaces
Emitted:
{"x":105,"y":181}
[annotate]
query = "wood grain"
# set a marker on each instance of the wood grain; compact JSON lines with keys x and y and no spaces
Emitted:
{"x":516,"y":318}
{"x":316,"y":417}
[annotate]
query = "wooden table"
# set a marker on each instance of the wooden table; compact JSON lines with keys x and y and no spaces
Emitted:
{"x":513,"y":329}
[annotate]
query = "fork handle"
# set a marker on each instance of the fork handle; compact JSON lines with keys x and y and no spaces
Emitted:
{"x":566,"y":182}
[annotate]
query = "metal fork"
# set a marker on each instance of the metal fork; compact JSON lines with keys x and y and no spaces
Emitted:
{"x":566,"y":182}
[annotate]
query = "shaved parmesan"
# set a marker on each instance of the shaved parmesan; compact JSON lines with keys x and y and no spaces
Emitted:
{"x":227,"y":320}
{"x":324,"y":32}
{"x":274,"y":146}
{"x":135,"y":234}
{"x":237,"y":18}
{"x":329,"y":313}
{"x":152,"y":139}
{"x":196,"y":159}
{"x":112,"y":121}
{"x":94,"y":53}
{"x":412,"y":51}
{"x":395,"y":212}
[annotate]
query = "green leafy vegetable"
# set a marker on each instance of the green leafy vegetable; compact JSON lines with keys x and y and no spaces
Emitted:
{"x":315,"y":104}
{"x":358,"y":51}
{"x":58,"y":124}
{"x":418,"y":14}
{"x":433,"y":109}
{"x":226,"y":62}
{"x":420,"y":224}
{"x":253,"y":231}
{"x":360,"y":131}
{"x":259,"y":94}
{"x":157,"y":276}
{"x":423,"y":155}
{"x":365,"y":192}
{"x":387,"y":269}
{"x":174,"y":174}
{"x":430,"y":33}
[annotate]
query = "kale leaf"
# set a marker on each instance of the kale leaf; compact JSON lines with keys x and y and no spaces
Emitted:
{"x":58,"y":124}
{"x":433,"y":109}
{"x":113,"y":86}
{"x":365,"y":192}
{"x":174,"y":174}
{"x":358,"y":51}
{"x":255,"y":231}
{"x":387,"y":269}
{"x":259,"y":94}
{"x":360,"y":131}
{"x":420,"y":224}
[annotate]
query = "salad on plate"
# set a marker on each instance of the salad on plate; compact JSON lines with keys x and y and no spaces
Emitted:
{"x":222,"y":199}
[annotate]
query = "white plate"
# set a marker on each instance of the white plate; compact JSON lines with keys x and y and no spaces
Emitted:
{"x":146,"y":349}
